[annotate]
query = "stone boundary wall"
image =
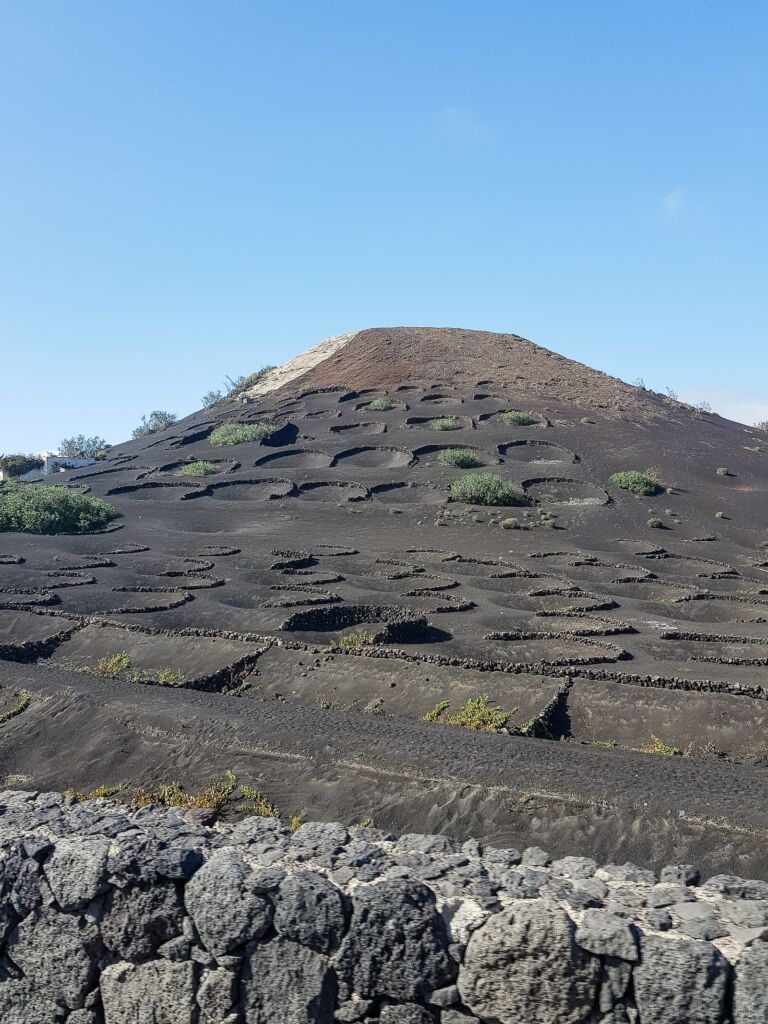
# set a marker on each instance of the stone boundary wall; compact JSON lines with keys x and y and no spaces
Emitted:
{"x":111,"y":915}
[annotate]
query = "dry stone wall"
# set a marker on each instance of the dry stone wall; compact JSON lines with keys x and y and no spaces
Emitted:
{"x":155,"y":916}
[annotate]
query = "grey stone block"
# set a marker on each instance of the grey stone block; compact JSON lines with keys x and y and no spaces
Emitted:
{"x":58,"y":953}
{"x":216,"y":994}
{"x":574,"y":867}
{"x":682,"y":874}
{"x":77,"y":871}
{"x":227,"y":903}
{"x":396,"y":945}
{"x":23,"y":1002}
{"x":606,"y":935}
{"x":289,"y":983}
{"x":750,"y":1004}
{"x":730,"y":887}
{"x":524,"y":965}
{"x":680,"y":981}
{"x":534,"y":856}
{"x":405,"y":1013}
{"x":139,"y":919}
{"x":158,"y":992}
{"x":627,"y":873}
{"x":310,"y":911}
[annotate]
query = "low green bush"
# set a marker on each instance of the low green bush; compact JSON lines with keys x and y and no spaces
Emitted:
{"x":18,"y":465}
{"x":351,"y":641}
{"x":240,"y":433}
{"x":658,"y":746}
{"x":655,"y":523}
{"x":486,"y":489}
{"x":380,"y":405}
{"x":637,"y":483}
{"x":458,"y":458}
{"x":517,"y":418}
{"x":21,"y":705}
{"x":445,"y":423}
{"x":157,"y":420}
{"x":199,"y":468}
{"x":237,"y":387}
{"x":44,"y":508}
{"x":475,"y":714}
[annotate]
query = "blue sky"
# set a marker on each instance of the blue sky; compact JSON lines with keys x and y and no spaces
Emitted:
{"x":189,"y":190}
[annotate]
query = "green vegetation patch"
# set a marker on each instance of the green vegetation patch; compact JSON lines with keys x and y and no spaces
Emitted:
{"x":645,"y":483}
{"x":118,"y":666}
{"x":475,"y":714}
{"x":486,"y":489}
{"x":199,"y":468}
{"x":517,"y":418}
{"x":240,"y":433}
{"x":445,"y":423}
{"x":458,"y":458}
{"x":380,"y":405}
{"x":21,"y":705}
{"x":18,"y":465}
{"x":45,"y":508}
{"x":217,"y":794}
{"x":351,"y":641}
{"x":658,"y":746}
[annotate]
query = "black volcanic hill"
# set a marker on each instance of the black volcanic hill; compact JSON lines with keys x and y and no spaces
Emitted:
{"x":624,"y":637}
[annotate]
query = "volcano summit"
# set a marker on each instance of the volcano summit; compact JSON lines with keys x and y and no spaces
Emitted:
{"x":439,"y":579}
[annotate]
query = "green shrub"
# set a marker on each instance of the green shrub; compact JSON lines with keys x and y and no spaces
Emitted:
{"x":655,"y":523}
{"x":486,"y":489}
{"x":199,"y":468}
{"x":18,"y":465}
{"x":158,"y":419}
{"x":44,"y":508}
{"x":445,"y":423}
{"x":215,"y":796}
{"x":111,"y":665}
{"x":21,"y":705}
{"x":82,"y":447}
{"x":169,"y":676}
{"x":509,"y":524}
{"x":475,"y":714}
{"x":458,"y":458}
{"x":258,"y":803}
{"x":237,"y":387}
{"x":638,"y":483}
{"x":658,"y":746}
{"x":380,"y":405}
{"x":240,"y":433}
{"x":517,"y":418}
{"x":723,"y":471}
{"x":351,"y":641}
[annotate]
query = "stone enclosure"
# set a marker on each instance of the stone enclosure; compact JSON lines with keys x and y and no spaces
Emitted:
{"x":110,"y":915}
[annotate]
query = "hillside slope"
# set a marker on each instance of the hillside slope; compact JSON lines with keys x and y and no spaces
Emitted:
{"x":328,"y":595}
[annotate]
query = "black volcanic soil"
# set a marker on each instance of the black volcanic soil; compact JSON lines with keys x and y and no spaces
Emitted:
{"x":601,"y":635}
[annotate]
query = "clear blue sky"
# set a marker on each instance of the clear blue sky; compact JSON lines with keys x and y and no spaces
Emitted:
{"x":189,"y":190}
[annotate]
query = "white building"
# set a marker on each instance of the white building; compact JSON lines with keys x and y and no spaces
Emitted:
{"x":52,"y":463}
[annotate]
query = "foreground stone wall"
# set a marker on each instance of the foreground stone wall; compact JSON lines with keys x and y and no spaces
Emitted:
{"x":152,"y":916}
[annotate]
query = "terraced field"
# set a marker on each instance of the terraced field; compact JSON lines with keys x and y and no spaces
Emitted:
{"x":323,"y":579}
